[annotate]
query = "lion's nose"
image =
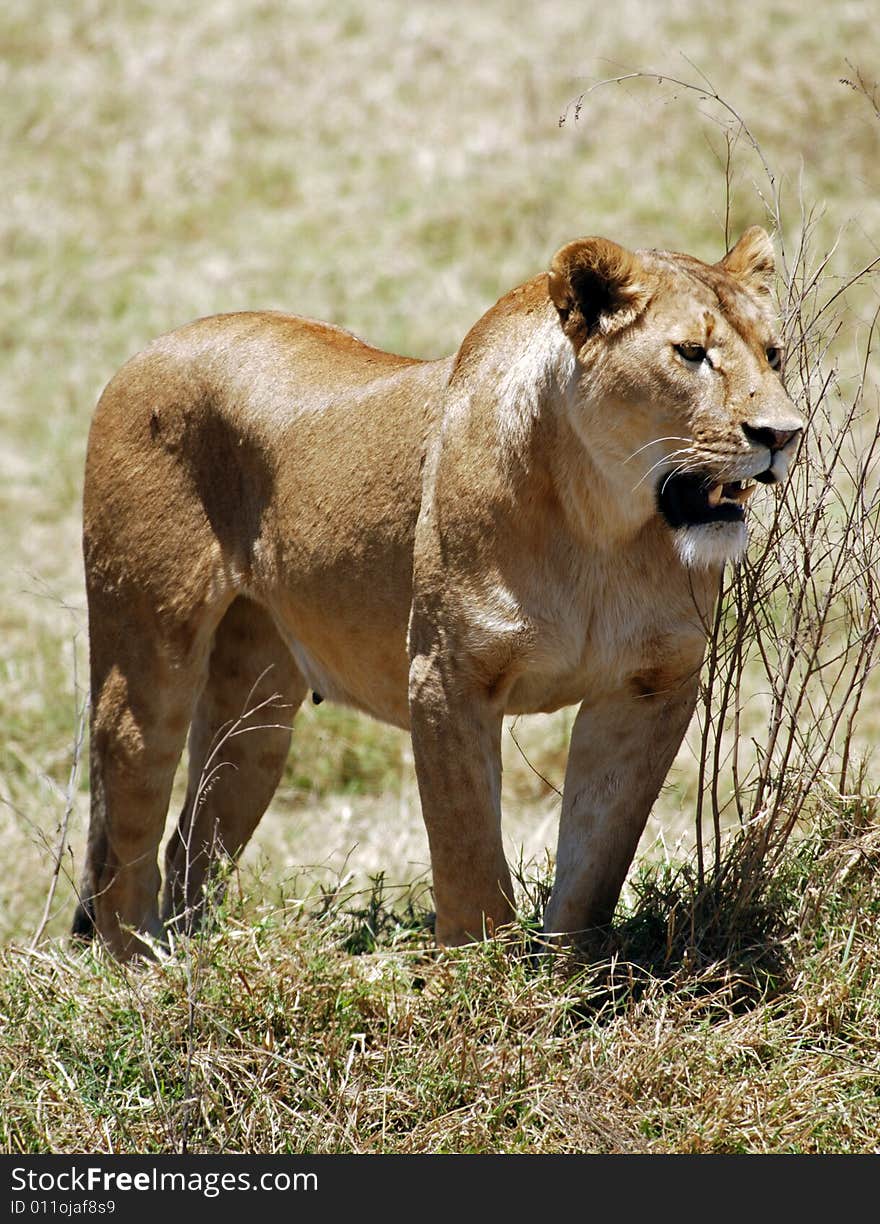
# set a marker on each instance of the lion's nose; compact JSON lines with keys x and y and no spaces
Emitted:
{"x":767,"y":435}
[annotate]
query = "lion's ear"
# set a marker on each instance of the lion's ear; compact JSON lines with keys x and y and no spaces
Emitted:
{"x":597,"y":285}
{"x":752,"y":261}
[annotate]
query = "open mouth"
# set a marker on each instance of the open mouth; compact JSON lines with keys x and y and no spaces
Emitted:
{"x":692,"y":499}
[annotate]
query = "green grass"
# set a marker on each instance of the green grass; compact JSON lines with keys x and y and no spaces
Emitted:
{"x":393,"y":169}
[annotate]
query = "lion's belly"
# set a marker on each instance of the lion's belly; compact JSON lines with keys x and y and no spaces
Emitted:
{"x":335,"y":567}
{"x":373,"y":680}
{"x":349,"y":640}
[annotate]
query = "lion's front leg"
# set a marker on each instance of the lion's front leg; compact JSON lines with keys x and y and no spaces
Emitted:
{"x":456,"y":739}
{"x":621,"y":749}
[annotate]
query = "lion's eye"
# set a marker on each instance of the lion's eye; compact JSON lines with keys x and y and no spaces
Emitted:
{"x":691,"y":352}
{"x":774,"y":356}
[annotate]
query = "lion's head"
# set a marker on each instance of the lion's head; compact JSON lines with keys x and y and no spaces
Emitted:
{"x":679,"y":369}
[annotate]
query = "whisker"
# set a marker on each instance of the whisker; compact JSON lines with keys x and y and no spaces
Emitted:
{"x":680,"y":470}
{"x":653,"y":442}
{"x":666,"y":458}
{"x":693,"y":461}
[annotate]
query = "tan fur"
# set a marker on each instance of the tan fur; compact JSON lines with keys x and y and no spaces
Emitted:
{"x":272,"y":505}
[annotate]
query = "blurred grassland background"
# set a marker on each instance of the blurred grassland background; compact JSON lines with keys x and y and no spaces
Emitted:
{"x":393,"y":168}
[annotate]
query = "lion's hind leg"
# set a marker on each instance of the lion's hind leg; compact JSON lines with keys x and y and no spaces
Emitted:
{"x":238,"y":746}
{"x":146,"y":670}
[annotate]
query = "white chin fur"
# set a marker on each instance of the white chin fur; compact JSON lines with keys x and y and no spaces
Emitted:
{"x":711,"y":544}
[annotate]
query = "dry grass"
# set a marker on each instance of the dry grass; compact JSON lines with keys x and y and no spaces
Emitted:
{"x":394,"y":170}
{"x":271,"y":1036}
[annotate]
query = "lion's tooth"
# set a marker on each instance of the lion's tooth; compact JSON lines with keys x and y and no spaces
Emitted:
{"x":737,"y":496}
{"x":714,"y":495}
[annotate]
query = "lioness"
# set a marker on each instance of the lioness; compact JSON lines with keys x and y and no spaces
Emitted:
{"x":273,"y":506}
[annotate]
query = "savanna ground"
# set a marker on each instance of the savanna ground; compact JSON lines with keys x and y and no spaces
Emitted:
{"x":394,"y":168}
